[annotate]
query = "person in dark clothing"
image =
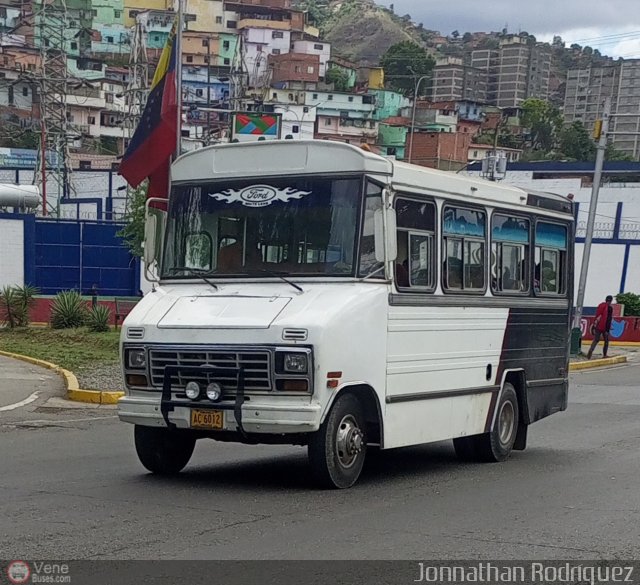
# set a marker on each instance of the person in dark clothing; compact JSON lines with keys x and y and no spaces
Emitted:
{"x":602,"y":326}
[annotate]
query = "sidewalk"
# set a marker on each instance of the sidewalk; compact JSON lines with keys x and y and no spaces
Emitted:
{"x":617,"y":355}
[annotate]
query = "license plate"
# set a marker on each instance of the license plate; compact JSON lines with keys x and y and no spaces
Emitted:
{"x":207,"y":419}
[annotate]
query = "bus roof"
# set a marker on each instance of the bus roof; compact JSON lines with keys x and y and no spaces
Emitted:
{"x":306,"y":157}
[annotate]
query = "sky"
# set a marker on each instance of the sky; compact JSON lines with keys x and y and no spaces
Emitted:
{"x":612,"y":26}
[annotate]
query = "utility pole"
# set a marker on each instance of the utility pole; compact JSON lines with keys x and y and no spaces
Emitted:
{"x":413,"y":116}
{"x":597,"y":179}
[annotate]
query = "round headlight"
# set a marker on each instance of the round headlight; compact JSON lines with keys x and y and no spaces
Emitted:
{"x":214,"y":392}
{"x":192,"y":390}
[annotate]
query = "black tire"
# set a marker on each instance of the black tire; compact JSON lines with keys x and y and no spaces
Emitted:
{"x":496,"y":445}
{"x":338,"y":449}
{"x":163,"y":451}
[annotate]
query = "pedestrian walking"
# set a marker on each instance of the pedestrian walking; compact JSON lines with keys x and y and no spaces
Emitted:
{"x":601,"y":326}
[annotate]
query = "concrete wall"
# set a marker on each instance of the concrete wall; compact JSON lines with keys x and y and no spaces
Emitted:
{"x":12,"y":257}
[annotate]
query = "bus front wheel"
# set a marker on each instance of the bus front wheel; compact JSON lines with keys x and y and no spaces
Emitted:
{"x":338,"y":449}
{"x":163,"y":451}
{"x":497,"y":444}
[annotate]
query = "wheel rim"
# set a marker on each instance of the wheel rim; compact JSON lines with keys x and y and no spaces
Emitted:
{"x":349,"y":441}
{"x":506,"y":423}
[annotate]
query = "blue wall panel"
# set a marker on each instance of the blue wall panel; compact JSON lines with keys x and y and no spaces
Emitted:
{"x":79,"y":254}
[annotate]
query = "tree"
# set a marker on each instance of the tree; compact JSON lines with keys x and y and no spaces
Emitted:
{"x":575,"y":143}
{"x":339,"y":78}
{"x":133,"y":232}
{"x":544,"y":121}
{"x":403,"y":63}
{"x":614,"y":154}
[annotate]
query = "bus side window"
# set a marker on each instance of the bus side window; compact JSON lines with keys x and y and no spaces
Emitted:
{"x":464,"y":242}
{"x":510,"y":252}
{"x":550,"y":259}
{"x":416,"y":263}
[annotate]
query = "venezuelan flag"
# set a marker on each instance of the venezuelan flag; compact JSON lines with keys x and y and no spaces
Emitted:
{"x":154,"y":140}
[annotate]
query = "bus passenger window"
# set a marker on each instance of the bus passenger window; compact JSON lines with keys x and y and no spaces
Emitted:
{"x":415,"y":264}
{"x":550,"y":258}
{"x":509,"y":248}
{"x":465,"y":239}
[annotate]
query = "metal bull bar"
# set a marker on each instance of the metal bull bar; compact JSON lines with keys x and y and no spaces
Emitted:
{"x":167,"y":404}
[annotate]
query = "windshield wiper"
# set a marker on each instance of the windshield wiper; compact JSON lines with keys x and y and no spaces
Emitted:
{"x":279,"y":275}
{"x":199,"y":272}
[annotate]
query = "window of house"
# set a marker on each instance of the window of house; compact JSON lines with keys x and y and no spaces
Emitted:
{"x":330,"y":97}
{"x":350,"y":98}
{"x":205,"y":43}
{"x":133,"y":13}
{"x":25,"y":91}
{"x":275,"y":52}
{"x":10,"y":96}
{"x":550,"y":259}
{"x":91,"y":120}
{"x":232,"y":24}
{"x":327,"y":121}
{"x":464,"y":243}
{"x":415,"y":265}
{"x":74,"y":46}
{"x":110,"y":40}
{"x":206,"y":59}
{"x":218,"y":19}
{"x":276,"y":34}
{"x":225,"y":45}
{"x":108,"y":98}
{"x":509,"y":254}
{"x":310,"y":69}
{"x":117,"y":13}
{"x":295,"y":129}
{"x":94,"y":12}
{"x":315,"y":96}
{"x":274,"y":96}
{"x":227,"y":61}
{"x":318,"y":47}
{"x":189,"y":59}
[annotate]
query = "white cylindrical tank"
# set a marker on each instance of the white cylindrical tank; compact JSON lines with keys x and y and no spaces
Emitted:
{"x":21,"y":196}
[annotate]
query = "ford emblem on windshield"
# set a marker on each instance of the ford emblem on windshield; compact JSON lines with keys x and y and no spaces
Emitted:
{"x":259,"y":195}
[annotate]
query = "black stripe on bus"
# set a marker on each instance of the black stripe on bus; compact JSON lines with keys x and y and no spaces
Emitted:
{"x":441,"y":394}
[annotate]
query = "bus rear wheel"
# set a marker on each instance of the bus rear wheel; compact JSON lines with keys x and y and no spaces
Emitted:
{"x":338,"y":449}
{"x":163,"y":451}
{"x":496,"y":445}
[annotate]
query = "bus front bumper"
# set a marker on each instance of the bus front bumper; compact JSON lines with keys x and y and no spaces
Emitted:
{"x":256,"y":417}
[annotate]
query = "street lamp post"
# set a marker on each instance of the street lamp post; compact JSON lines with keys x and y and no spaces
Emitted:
{"x":413,"y":117}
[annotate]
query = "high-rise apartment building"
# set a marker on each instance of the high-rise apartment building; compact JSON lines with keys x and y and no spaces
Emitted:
{"x":519,"y":69}
{"x":453,"y":80}
{"x":587,"y":90}
{"x":628,"y":105}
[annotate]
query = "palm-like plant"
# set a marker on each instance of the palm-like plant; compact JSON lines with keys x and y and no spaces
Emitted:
{"x":68,"y":310}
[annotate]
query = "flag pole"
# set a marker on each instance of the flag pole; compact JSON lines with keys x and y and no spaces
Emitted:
{"x":178,"y":41}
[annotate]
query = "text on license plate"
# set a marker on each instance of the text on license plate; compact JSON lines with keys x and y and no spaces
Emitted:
{"x":207,"y":419}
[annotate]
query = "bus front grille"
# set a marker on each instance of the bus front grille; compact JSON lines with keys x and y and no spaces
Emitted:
{"x":255,"y":364}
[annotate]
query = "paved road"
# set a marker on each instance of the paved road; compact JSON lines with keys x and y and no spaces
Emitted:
{"x":71,"y":487}
{"x":20,"y":382}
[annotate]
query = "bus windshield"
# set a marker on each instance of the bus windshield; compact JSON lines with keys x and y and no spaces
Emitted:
{"x":303,"y":226}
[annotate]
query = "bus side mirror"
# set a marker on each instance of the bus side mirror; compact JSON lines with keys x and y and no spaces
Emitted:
{"x":378,"y":227}
{"x":392,"y":229}
{"x":380,"y":230}
{"x":150,"y":231}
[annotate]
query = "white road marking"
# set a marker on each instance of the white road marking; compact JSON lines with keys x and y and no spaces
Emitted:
{"x":20,"y":404}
